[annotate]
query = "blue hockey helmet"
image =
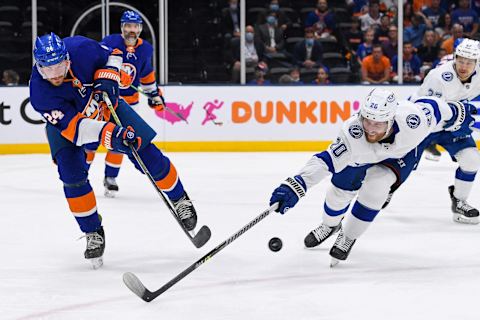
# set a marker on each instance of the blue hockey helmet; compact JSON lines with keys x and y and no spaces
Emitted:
{"x":49,"y":50}
{"x":131,"y":16}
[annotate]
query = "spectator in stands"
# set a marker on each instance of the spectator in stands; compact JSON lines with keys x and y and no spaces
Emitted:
{"x":372,"y":18}
{"x":357,"y":6}
{"x":295,"y":74}
{"x":271,"y":35}
{"x":376,"y":67}
{"x":322,"y":76}
{"x":444,"y":29}
{"x":381,"y":34}
{"x":308,"y":52}
{"x":230,"y":23}
{"x":467,"y":17}
{"x":261,"y":71}
{"x":254,"y":53}
{"x":10,"y":78}
{"x":433,"y":12}
{"x":321,"y":20}
{"x":283,"y":20}
{"x":441,"y":54}
{"x":407,"y":14}
{"x":414,"y":33}
{"x":354,"y":36}
{"x":411,"y":65}
{"x":428,"y":51}
{"x":390,"y":47}
{"x":457,"y":32}
{"x":365,"y":48}
{"x":285,"y":79}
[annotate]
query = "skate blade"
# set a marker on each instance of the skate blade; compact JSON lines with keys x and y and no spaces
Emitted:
{"x":334,"y":262}
{"x":96,"y":263}
{"x":462,"y":219}
{"x":432,"y":157}
{"x":110,"y":193}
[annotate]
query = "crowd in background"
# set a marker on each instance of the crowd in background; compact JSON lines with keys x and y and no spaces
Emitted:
{"x":345,"y":40}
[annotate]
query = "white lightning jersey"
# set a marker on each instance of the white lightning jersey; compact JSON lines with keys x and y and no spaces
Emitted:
{"x":413,"y":123}
{"x":442,"y":82}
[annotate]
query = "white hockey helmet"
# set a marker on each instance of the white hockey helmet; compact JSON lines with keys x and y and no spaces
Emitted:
{"x":380,"y":105}
{"x":469,"y":49}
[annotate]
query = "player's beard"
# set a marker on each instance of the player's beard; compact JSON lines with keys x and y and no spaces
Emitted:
{"x":130,"y":38}
{"x":57,"y":82}
{"x":374,"y":137}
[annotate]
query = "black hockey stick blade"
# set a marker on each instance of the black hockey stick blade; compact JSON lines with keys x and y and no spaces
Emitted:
{"x":136,"y":286}
{"x":202,"y":236}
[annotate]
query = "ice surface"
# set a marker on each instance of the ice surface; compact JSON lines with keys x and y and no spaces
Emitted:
{"x":413,"y":262}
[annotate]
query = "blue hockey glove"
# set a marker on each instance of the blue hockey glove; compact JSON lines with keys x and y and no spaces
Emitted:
{"x":462,"y":119}
{"x":119,"y":139}
{"x":156,"y":100}
{"x":288,"y":193}
{"x":106,"y":80}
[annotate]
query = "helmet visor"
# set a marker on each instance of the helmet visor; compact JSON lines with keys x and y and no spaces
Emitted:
{"x":54,"y":71}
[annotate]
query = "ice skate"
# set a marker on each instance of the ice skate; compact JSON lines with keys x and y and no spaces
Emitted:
{"x":462,"y":211}
{"x":432,"y":153}
{"x":95,"y":247}
{"x":186,"y":212}
{"x":341,"y":249}
{"x":320,"y":234}
{"x":111,"y":187}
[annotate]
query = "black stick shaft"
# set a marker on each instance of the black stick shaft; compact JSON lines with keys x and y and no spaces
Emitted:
{"x":149,"y":296}
{"x":145,"y":170}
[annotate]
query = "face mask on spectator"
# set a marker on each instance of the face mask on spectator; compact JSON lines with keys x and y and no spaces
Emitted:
{"x":271,"y":20}
{"x":274,"y":7}
{"x":249,"y":36}
{"x":309,"y":42}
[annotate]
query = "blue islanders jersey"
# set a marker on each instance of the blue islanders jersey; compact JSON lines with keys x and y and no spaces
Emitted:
{"x":68,"y":105}
{"x":137,"y":66}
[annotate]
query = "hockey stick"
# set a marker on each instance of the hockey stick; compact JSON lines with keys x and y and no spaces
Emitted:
{"x":204,"y":233}
{"x":137,"y":287}
{"x":173,"y":113}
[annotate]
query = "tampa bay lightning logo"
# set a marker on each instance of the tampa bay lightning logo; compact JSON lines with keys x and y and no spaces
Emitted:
{"x":391,"y":98}
{"x":447,"y":76}
{"x":355,"y":131}
{"x":413,"y":121}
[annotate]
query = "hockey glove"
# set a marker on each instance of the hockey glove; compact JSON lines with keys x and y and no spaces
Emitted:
{"x":156,"y":100}
{"x":106,"y":80}
{"x":462,"y":119}
{"x":288,"y":193}
{"x":119,"y":139}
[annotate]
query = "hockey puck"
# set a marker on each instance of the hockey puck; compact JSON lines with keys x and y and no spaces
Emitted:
{"x":275,"y":244}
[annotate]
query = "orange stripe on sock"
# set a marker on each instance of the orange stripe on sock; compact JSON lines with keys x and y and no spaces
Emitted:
{"x":84,"y":205}
{"x":90,"y":155}
{"x":114,"y":159}
{"x":170,"y":179}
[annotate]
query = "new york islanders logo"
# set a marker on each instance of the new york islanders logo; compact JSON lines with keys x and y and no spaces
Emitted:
{"x":127,"y":75}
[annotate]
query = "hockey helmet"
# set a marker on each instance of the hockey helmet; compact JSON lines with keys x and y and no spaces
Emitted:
{"x":380,"y":105}
{"x":131,"y":16}
{"x":50,"y":52}
{"x":469,"y":49}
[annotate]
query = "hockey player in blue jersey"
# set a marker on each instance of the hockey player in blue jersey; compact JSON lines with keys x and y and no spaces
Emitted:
{"x":66,"y":87}
{"x":378,"y":145}
{"x":136,"y":71}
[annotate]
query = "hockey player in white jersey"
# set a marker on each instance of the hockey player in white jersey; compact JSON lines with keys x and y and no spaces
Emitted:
{"x":384,"y":132}
{"x":458,"y":80}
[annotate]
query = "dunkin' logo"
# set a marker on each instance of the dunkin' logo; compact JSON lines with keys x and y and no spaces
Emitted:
{"x":293,"y":111}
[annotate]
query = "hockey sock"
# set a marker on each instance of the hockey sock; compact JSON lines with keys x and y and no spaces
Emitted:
{"x":361,"y":218}
{"x":113,"y":161}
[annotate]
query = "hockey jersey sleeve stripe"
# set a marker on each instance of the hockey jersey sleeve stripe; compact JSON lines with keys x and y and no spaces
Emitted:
{"x":148,"y":79}
{"x":71,"y":131}
{"x":436,"y":109}
{"x":84,"y":205}
{"x":133,"y":99}
{"x":325,"y":156}
{"x":168,"y":182}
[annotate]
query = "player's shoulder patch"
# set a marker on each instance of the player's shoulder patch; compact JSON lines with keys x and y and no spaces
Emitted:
{"x":447,"y":76}
{"x":413,"y":121}
{"x":356,"y":131}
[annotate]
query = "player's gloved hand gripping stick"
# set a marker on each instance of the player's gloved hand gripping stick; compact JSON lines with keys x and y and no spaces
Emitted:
{"x":203,"y":235}
{"x":137,"y":287}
